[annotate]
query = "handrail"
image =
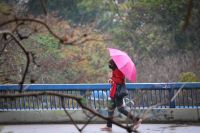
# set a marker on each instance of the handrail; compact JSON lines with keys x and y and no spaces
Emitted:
{"x":186,"y":95}
{"x":102,"y":86}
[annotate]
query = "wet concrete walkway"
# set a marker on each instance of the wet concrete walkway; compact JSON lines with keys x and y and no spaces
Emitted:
{"x":95,"y":128}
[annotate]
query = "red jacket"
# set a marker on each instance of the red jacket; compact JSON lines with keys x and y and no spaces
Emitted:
{"x":117,"y":78}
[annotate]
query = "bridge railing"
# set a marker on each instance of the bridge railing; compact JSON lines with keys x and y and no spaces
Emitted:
{"x":141,"y":95}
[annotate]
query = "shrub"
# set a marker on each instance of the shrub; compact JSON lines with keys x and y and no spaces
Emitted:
{"x":188,"y":77}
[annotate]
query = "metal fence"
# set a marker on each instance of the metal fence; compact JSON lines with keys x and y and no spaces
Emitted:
{"x":141,"y":95}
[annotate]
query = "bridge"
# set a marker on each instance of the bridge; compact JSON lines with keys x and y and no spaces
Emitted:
{"x":160,"y":102}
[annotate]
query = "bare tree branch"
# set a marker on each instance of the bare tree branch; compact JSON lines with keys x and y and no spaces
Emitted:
{"x":61,"y":39}
{"x":31,"y":20}
{"x":43,"y":5}
{"x":188,"y":15}
{"x":26,"y":54}
{"x":34,"y":59}
{"x":78,"y":100}
{"x":63,"y":105}
{"x":89,"y":120}
{"x":4,"y":46}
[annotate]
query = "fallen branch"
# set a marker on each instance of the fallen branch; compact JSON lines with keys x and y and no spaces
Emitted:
{"x":78,"y":100}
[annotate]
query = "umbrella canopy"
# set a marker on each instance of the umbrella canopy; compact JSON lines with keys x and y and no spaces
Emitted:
{"x":124,"y":63}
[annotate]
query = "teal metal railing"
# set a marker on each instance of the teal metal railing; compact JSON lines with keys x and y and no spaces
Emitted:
{"x":141,"y":95}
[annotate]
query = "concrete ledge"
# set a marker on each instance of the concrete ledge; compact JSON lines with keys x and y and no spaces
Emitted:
{"x":48,"y":116}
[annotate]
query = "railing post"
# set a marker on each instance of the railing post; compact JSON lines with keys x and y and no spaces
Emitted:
{"x":172,"y":104}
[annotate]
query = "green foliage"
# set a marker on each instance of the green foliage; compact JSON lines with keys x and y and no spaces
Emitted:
{"x":188,"y":77}
{"x":76,"y":11}
{"x":84,"y":101}
{"x":4,"y":9}
{"x":85,"y":64}
{"x":143,"y":28}
{"x":154,"y":27}
{"x":66,"y":8}
{"x":48,"y":43}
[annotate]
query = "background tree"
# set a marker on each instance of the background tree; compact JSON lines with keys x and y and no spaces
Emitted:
{"x":151,"y":32}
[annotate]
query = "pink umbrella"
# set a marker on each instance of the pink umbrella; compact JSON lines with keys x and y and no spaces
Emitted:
{"x":124,"y":63}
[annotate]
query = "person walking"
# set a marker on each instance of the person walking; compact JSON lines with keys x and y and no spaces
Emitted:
{"x":118,"y":83}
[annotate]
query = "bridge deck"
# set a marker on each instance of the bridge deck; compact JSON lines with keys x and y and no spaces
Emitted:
{"x":95,"y":128}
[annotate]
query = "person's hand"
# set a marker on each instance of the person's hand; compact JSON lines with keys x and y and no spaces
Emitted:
{"x":110,"y":81}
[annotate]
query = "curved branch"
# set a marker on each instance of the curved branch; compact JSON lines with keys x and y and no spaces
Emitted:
{"x":77,"y":98}
{"x":66,"y":112}
{"x":61,"y":39}
{"x":32,"y":20}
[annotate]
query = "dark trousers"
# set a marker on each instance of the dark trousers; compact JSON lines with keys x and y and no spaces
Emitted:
{"x":117,"y":102}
